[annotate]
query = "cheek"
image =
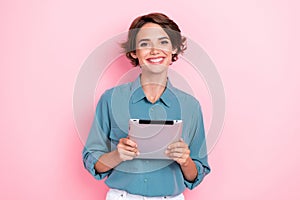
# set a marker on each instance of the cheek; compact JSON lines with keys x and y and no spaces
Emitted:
{"x":169,"y":56}
{"x":141,"y":53}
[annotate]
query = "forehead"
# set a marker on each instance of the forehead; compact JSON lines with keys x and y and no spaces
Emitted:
{"x":151,"y":31}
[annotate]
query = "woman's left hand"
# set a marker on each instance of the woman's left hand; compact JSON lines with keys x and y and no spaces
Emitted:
{"x":179,"y":151}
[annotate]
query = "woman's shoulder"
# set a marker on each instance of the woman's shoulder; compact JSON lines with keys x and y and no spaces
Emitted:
{"x":184,"y":96}
{"x":117,"y":91}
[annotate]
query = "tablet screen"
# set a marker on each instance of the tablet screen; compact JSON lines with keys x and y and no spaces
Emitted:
{"x":154,"y":136}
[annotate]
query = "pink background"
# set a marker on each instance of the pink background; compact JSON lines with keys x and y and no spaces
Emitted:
{"x":254,"y":45}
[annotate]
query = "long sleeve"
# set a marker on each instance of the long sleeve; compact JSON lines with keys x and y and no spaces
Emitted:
{"x":98,"y":141}
{"x":198,"y":148}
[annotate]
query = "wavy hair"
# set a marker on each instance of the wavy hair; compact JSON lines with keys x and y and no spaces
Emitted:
{"x":169,"y":26}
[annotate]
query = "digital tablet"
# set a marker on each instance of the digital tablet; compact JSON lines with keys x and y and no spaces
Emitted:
{"x":154,"y":136}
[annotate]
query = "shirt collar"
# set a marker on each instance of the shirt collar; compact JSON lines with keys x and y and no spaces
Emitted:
{"x":138,"y":94}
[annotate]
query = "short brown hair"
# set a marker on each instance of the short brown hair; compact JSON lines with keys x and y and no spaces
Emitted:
{"x":169,"y":26}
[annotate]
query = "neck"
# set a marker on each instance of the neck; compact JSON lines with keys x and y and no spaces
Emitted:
{"x":153,"y":86}
{"x":155,"y":80}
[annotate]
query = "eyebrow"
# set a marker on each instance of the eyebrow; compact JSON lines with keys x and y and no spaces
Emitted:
{"x":146,"y":39}
{"x":163,"y":38}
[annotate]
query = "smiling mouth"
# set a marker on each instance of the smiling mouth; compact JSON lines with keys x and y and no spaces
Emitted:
{"x":155,"y":60}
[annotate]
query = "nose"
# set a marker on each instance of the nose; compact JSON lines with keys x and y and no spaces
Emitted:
{"x":154,"y":51}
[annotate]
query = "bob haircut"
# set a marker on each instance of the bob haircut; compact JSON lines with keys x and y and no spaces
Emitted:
{"x":169,"y":26}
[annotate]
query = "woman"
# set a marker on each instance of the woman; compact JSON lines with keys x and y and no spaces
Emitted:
{"x":154,"y":42}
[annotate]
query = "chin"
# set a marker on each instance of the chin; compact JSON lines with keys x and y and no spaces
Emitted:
{"x":155,"y":68}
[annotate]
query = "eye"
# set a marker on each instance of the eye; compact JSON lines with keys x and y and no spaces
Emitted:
{"x":164,"y":42}
{"x":143,"y":44}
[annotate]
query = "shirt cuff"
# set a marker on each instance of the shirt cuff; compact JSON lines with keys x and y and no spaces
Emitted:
{"x":202,"y":172}
{"x":89,"y":164}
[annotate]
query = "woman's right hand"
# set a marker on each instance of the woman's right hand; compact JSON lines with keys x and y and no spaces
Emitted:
{"x":127,"y":149}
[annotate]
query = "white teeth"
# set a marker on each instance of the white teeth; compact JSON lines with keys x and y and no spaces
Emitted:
{"x":155,"y":60}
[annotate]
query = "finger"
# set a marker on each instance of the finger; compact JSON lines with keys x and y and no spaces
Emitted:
{"x":126,"y":147}
{"x":128,"y":142}
{"x":178,"y":150}
{"x":131,"y":149}
{"x":128,"y":153}
{"x":182,"y":150}
{"x":125,"y":157}
{"x":174,"y":155}
{"x":180,"y":160}
{"x":174,"y":145}
{"x":179,"y":144}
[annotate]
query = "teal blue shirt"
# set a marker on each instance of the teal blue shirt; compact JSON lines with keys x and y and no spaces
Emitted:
{"x":142,"y":176}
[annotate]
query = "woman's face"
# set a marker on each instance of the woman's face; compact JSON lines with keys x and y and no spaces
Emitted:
{"x":153,"y":49}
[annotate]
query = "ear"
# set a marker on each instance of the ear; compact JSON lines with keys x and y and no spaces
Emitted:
{"x":133,"y":54}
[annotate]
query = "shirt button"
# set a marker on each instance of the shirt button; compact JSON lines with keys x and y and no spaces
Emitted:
{"x":145,"y":180}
